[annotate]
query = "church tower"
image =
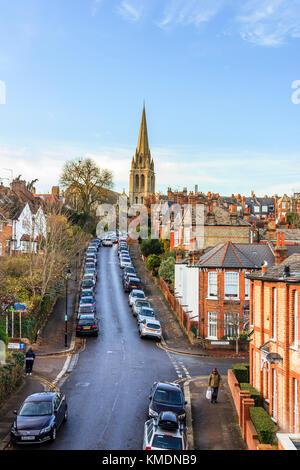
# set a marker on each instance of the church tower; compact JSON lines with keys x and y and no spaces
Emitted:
{"x":142,"y":176}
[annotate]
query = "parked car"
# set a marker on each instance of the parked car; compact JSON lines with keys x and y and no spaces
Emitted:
{"x":86,"y":310}
{"x":88,"y":284}
{"x":129,"y":270}
{"x":107,"y":242}
{"x":39,"y":418}
{"x":164,"y":432}
{"x":91,"y":271}
{"x":132,"y":283}
{"x":90,"y":265}
{"x":125,"y":262}
{"x":87,"y":300}
{"x":145,"y":313}
{"x":89,"y":277}
{"x":138,"y":304}
{"x":87,"y":293}
{"x":135,"y":293}
{"x":87,"y":325}
{"x":150,"y":327}
{"x":166,"y":396}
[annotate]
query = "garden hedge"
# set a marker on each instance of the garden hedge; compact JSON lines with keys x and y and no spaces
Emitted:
{"x":253,"y":393}
{"x":265,"y":428}
{"x":241,"y":371}
{"x":11,"y":374}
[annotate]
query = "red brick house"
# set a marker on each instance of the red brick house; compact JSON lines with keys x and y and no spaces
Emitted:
{"x":274,"y":346}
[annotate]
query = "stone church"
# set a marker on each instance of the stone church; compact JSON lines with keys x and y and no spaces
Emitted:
{"x":142,"y":176}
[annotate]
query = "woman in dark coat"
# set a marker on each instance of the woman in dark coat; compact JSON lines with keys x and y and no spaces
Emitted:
{"x":30,"y":356}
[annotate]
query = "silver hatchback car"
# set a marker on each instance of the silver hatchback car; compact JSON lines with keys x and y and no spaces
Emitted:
{"x":151,"y":328}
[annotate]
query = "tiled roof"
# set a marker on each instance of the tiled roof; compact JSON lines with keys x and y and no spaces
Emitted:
{"x":237,"y":255}
{"x":277,"y":272}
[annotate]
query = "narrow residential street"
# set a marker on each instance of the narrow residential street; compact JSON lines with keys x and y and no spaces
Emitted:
{"x":108,"y":390}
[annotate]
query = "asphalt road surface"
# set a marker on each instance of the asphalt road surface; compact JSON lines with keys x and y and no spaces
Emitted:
{"x":108,"y":390}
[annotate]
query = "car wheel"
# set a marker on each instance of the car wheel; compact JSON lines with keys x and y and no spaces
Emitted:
{"x":53,"y":434}
{"x":66,"y":414}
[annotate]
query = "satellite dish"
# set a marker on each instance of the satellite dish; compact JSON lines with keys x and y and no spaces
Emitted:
{"x":273,"y":358}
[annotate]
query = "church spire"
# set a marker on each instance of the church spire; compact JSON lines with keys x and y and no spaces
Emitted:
{"x":143,"y":144}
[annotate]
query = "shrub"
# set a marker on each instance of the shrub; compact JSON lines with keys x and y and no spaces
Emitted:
{"x":153,"y":262}
{"x":151,"y":247}
{"x":253,"y":393}
{"x":243,"y":335}
{"x":241,"y":371}
{"x":11,"y":375}
{"x":167,"y":269}
{"x":265,"y":428}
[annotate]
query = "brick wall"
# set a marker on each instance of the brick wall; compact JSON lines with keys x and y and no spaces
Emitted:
{"x":279,"y":401}
{"x":5,"y":234}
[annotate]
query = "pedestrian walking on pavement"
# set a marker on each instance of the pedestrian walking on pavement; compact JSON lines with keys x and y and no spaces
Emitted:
{"x":214,"y":382}
{"x":30,"y":356}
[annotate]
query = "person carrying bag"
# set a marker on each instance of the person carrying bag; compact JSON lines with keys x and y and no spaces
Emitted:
{"x":214,"y":382}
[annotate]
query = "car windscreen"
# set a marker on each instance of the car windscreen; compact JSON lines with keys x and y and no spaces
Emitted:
{"x":36,"y":408}
{"x":170,"y":397}
{"x":167,"y":442}
{"x":90,"y":271}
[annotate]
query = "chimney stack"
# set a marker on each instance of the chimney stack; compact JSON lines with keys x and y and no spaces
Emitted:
{"x":281,"y":249}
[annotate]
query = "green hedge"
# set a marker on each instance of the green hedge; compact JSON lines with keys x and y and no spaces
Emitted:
{"x":253,"y":393}
{"x":241,"y":371}
{"x":11,"y":375}
{"x":265,"y":428}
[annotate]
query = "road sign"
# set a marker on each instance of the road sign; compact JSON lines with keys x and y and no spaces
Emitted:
{"x":20,"y":307}
{"x":16,"y":346}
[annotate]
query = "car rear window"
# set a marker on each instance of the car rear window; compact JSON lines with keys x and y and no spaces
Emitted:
{"x":86,"y":322}
{"x":153,"y":326}
{"x":163,"y":441}
{"x":147,"y":312}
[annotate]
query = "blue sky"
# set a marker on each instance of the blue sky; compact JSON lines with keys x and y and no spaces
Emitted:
{"x":216,"y":76}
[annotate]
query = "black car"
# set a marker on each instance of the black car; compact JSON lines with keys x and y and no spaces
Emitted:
{"x":165,"y":396}
{"x":39,"y":418}
{"x":87,"y":325}
{"x":132,"y":283}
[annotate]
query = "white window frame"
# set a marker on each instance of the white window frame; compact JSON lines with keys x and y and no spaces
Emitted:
{"x":212,"y":280}
{"x":274,"y":395}
{"x":212,"y":324}
{"x":256,"y":209}
{"x":229,"y":326}
{"x":231,"y":295}
{"x":0,"y":249}
{"x":264,"y":209}
{"x":274,"y":314}
{"x":176,"y":238}
{"x":247,"y":288}
{"x":186,"y":236}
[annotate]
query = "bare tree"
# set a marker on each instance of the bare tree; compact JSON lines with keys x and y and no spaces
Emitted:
{"x":86,"y":182}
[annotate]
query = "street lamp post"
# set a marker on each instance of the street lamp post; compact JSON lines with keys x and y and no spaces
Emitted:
{"x":68,"y":275}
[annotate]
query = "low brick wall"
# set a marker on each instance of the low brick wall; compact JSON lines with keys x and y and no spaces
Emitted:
{"x":243,"y":402}
{"x":184,"y":320}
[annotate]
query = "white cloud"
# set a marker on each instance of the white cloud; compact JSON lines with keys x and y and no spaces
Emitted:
{"x":269,"y":22}
{"x":185,"y":12}
{"x":129,"y":12}
{"x":224,"y":172}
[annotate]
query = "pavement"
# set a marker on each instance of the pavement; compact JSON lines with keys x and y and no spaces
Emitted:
{"x":52,"y":360}
{"x":54,"y":363}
